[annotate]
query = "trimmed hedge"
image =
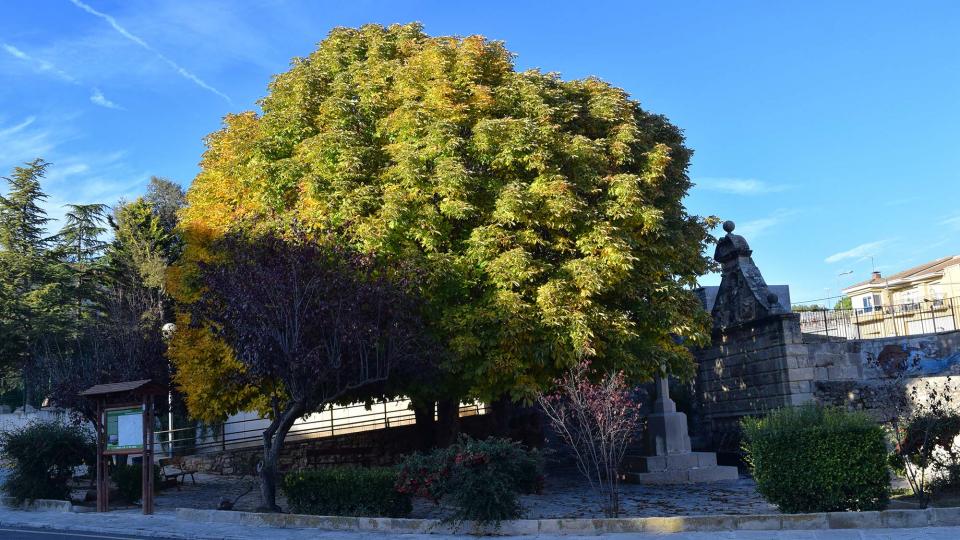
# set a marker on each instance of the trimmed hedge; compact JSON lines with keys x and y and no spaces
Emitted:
{"x":818,"y":459}
{"x":346,"y":491}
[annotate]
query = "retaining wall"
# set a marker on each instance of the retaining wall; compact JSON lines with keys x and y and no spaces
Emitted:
{"x":769,"y":363}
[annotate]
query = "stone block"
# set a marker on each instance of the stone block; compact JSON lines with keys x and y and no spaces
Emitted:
{"x":803,"y":521}
{"x":709,"y":523}
{"x":713,"y":474}
{"x":854,"y":520}
{"x":620,"y":525}
{"x":943,"y":517}
{"x":801,"y":374}
{"x":904,"y":519}
{"x":691,"y":460}
{"x":518,"y":527}
{"x":40,"y":505}
{"x":397,"y":525}
{"x":843,"y":373}
{"x":706,"y":459}
{"x":568,"y":526}
{"x":764,"y":522}
{"x":659,"y":477}
{"x":664,"y":524}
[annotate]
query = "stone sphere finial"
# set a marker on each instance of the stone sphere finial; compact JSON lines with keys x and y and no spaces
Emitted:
{"x":729,"y":226}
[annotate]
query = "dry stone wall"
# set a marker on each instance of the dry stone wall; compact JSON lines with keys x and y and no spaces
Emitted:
{"x":768,"y":363}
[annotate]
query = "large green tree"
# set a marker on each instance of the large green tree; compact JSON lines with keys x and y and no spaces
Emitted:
{"x":548,"y":213}
{"x":80,"y":246}
{"x":125,"y":340}
{"x":35,"y":305}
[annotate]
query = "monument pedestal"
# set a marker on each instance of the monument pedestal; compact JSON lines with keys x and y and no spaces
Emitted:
{"x":669,"y":459}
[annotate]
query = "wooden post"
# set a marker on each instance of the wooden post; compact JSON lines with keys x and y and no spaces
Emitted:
{"x":101,"y":492}
{"x":148,"y":414}
{"x":144,"y":472}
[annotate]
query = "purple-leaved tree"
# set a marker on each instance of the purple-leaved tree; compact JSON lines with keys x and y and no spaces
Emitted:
{"x":312,"y":321}
{"x":597,"y":421}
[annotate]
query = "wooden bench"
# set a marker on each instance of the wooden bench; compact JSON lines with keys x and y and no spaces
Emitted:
{"x":174,"y":469}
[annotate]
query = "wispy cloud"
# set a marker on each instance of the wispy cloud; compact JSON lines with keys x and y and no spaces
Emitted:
{"x":858,"y":252}
{"x":24,"y":141}
{"x":39,"y":64}
{"x":143,"y":44}
{"x":45,"y":66}
{"x":73,"y":177}
{"x":739,"y":186}
{"x":953,"y":222}
{"x":758,"y":227}
{"x":98,"y":98}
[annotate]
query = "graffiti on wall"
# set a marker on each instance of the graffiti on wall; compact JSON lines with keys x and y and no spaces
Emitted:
{"x":922,"y":358}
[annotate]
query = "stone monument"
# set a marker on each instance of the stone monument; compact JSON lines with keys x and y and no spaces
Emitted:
{"x":668,"y":457}
{"x":743,"y":295}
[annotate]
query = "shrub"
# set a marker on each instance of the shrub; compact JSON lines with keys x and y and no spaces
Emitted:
{"x":480,"y":479}
{"x":927,"y":444}
{"x":346,"y":491}
{"x":42,"y":456}
{"x":597,"y":421}
{"x":129,"y":479}
{"x":817,"y":459}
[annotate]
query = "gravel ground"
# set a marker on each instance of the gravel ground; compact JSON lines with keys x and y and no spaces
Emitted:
{"x":565,"y":495}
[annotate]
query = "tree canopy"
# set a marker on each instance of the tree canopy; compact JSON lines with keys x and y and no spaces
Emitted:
{"x":547,"y":213}
{"x":311,"y":322}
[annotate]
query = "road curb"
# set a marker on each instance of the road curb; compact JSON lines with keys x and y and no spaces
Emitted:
{"x":38,"y":505}
{"x":892,"y":519}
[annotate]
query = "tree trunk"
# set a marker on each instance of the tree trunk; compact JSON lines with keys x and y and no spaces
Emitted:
{"x":423,"y":415}
{"x":273,"y":438}
{"x":448,"y":422}
{"x":502,"y":411}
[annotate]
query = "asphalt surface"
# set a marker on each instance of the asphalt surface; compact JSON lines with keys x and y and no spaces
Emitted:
{"x":20,"y":533}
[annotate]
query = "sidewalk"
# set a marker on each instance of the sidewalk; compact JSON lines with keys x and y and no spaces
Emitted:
{"x":166,"y":525}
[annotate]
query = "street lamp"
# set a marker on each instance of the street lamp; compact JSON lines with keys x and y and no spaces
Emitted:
{"x":167,"y":331}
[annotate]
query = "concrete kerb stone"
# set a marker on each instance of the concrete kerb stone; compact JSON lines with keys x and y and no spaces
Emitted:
{"x":899,"y":519}
{"x":856,"y":520}
{"x":794,"y":522}
{"x":39,"y":505}
{"x":762,"y":522}
{"x":943,"y":517}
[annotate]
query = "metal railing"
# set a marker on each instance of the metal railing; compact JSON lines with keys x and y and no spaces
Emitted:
{"x":247,"y":432}
{"x":910,"y":319}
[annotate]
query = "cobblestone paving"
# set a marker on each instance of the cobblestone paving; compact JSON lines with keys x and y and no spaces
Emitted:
{"x":208,"y":491}
{"x":565,"y":495}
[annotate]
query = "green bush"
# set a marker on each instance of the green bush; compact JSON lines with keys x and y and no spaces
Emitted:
{"x":346,"y":491}
{"x":42,"y":456}
{"x":129,"y":479}
{"x":818,"y":459}
{"x":480,"y":479}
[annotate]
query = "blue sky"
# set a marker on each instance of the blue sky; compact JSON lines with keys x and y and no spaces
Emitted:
{"x":829,"y":131}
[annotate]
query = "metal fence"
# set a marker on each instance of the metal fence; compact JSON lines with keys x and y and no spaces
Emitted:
{"x":246,"y":430}
{"x":915,"y":318}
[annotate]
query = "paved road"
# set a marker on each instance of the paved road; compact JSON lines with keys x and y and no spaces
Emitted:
{"x":41,"y":534}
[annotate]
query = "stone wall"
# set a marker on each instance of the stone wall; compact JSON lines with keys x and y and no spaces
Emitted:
{"x":768,"y":363}
{"x":746,"y":371}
